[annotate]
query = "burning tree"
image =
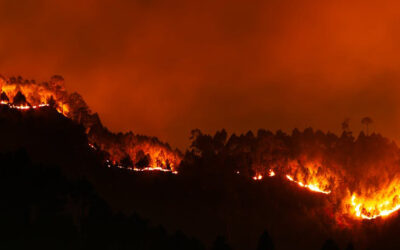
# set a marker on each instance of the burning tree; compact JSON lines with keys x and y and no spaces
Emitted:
{"x":121,"y":147}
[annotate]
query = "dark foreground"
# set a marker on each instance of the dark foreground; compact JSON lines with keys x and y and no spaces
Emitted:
{"x":57,"y":194}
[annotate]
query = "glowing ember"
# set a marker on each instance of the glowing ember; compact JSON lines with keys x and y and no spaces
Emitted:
{"x":312,"y":187}
{"x":153,"y":169}
{"x":271,"y":173}
{"x":23,"y":107}
{"x":258,"y":177}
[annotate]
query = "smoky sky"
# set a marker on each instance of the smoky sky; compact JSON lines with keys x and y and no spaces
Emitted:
{"x":163,"y":68}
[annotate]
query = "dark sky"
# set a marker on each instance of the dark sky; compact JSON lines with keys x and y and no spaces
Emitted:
{"x":163,"y":68}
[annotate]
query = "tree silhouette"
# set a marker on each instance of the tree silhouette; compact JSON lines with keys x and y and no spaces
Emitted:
{"x":126,"y":161}
{"x":4,"y":97}
{"x":142,"y":159}
{"x":52,"y":103}
{"x":350,"y":246}
{"x":220,"y":244}
{"x":265,"y":242}
{"x":330,"y":245}
{"x":366,"y":121}
{"x":19,"y":99}
{"x":345,"y":124}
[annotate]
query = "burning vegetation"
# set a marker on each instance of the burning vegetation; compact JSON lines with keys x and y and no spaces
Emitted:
{"x":359,"y":176}
{"x":130,"y":151}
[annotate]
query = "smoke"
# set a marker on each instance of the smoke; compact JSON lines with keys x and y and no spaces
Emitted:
{"x":214,"y":64}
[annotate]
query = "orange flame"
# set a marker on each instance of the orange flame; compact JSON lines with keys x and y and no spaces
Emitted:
{"x":380,"y":203}
{"x":315,"y":187}
{"x":271,"y":173}
{"x":35,"y":96}
{"x":257,"y":177}
{"x":367,"y":204}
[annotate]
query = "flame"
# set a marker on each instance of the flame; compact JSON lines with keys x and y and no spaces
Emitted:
{"x":308,"y":175}
{"x":257,"y":177}
{"x":315,"y":187}
{"x":158,"y":169}
{"x":145,"y":156}
{"x":311,"y":173}
{"x":271,"y":173}
{"x":367,"y":204}
{"x":381,"y":203}
{"x":159,"y":157}
{"x":20,"y":94}
{"x":23,"y":107}
{"x":37,"y":95}
{"x":153,"y":169}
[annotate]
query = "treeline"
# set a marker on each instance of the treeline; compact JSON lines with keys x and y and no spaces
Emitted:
{"x":207,"y":187}
{"x":119,"y":147}
{"x":250,"y":153}
{"x":48,"y":206}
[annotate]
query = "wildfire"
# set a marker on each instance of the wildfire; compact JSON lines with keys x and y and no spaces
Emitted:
{"x":271,"y":173}
{"x":24,"y":107}
{"x":306,"y":176}
{"x":153,"y":169}
{"x":257,"y":177}
{"x":371,"y":205}
{"x":157,"y":169}
{"x":142,"y":156}
{"x":311,"y":186}
{"x":26,"y":95}
{"x":145,"y":153}
{"x":379,"y":205}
